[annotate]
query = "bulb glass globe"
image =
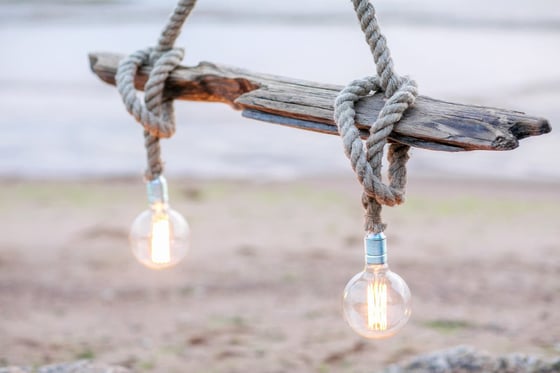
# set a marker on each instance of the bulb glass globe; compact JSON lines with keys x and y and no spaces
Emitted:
{"x":376,"y":301}
{"x":159,"y":236}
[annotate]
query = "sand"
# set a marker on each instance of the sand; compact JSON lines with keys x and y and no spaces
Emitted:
{"x":261,"y":289}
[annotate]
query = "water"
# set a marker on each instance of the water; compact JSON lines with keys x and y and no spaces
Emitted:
{"x":58,"y":120}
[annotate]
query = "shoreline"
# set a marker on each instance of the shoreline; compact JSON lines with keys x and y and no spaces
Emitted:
{"x":543,"y":16}
{"x":478,"y":182}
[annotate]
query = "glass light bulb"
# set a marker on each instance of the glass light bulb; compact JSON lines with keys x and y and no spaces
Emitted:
{"x":376,"y":301}
{"x":159,"y":236}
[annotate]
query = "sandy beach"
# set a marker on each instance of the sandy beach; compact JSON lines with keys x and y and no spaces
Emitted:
{"x":261,"y":288}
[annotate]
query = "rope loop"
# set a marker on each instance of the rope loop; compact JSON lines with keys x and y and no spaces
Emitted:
{"x":155,"y":114}
{"x":366,"y":160}
{"x":156,"y":118}
{"x":366,"y":157}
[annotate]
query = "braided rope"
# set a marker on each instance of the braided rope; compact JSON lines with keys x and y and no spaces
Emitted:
{"x":366,"y":159}
{"x":154,"y":113}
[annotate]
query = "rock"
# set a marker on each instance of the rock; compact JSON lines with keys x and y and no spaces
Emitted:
{"x":467,"y":360}
{"x":82,"y":366}
{"x":455,"y":360}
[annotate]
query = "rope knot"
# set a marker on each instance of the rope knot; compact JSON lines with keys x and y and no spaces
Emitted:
{"x":366,"y":157}
{"x":154,"y":114}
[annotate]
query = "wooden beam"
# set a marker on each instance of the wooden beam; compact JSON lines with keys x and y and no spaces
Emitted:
{"x":430,"y":124}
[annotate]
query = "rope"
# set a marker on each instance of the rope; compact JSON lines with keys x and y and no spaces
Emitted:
{"x":366,"y":159}
{"x":154,"y":113}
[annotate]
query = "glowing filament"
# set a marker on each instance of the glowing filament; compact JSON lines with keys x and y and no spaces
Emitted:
{"x":377,"y":306}
{"x":160,"y":244}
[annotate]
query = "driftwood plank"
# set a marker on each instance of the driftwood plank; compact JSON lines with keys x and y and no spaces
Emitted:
{"x":430,"y":124}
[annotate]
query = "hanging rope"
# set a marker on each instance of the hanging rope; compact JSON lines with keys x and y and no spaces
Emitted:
{"x":154,"y":114}
{"x":158,"y":119}
{"x":366,"y":160}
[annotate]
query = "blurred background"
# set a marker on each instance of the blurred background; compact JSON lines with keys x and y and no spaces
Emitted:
{"x":59,"y":120}
{"x":275,"y":213}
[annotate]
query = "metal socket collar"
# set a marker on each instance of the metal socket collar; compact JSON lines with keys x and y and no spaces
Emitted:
{"x":157,"y":190}
{"x":375,"y":248}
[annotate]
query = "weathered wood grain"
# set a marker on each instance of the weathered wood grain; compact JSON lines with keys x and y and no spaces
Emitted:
{"x":430,"y":124}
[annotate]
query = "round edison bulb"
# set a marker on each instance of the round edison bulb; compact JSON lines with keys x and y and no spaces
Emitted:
{"x":159,"y":237}
{"x":376,"y":302}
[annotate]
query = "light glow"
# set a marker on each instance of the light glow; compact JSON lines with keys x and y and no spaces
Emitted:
{"x":159,"y":236}
{"x":377,"y":305}
{"x":160,"y":242}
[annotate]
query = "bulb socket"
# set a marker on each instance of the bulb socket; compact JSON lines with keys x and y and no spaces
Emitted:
{"x":157,"y":190}
{"x":375,"y":245}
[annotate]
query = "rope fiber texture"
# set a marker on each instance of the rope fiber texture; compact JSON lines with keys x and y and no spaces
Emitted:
{"x":366,"y":158}
{"x":154,"y":113}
